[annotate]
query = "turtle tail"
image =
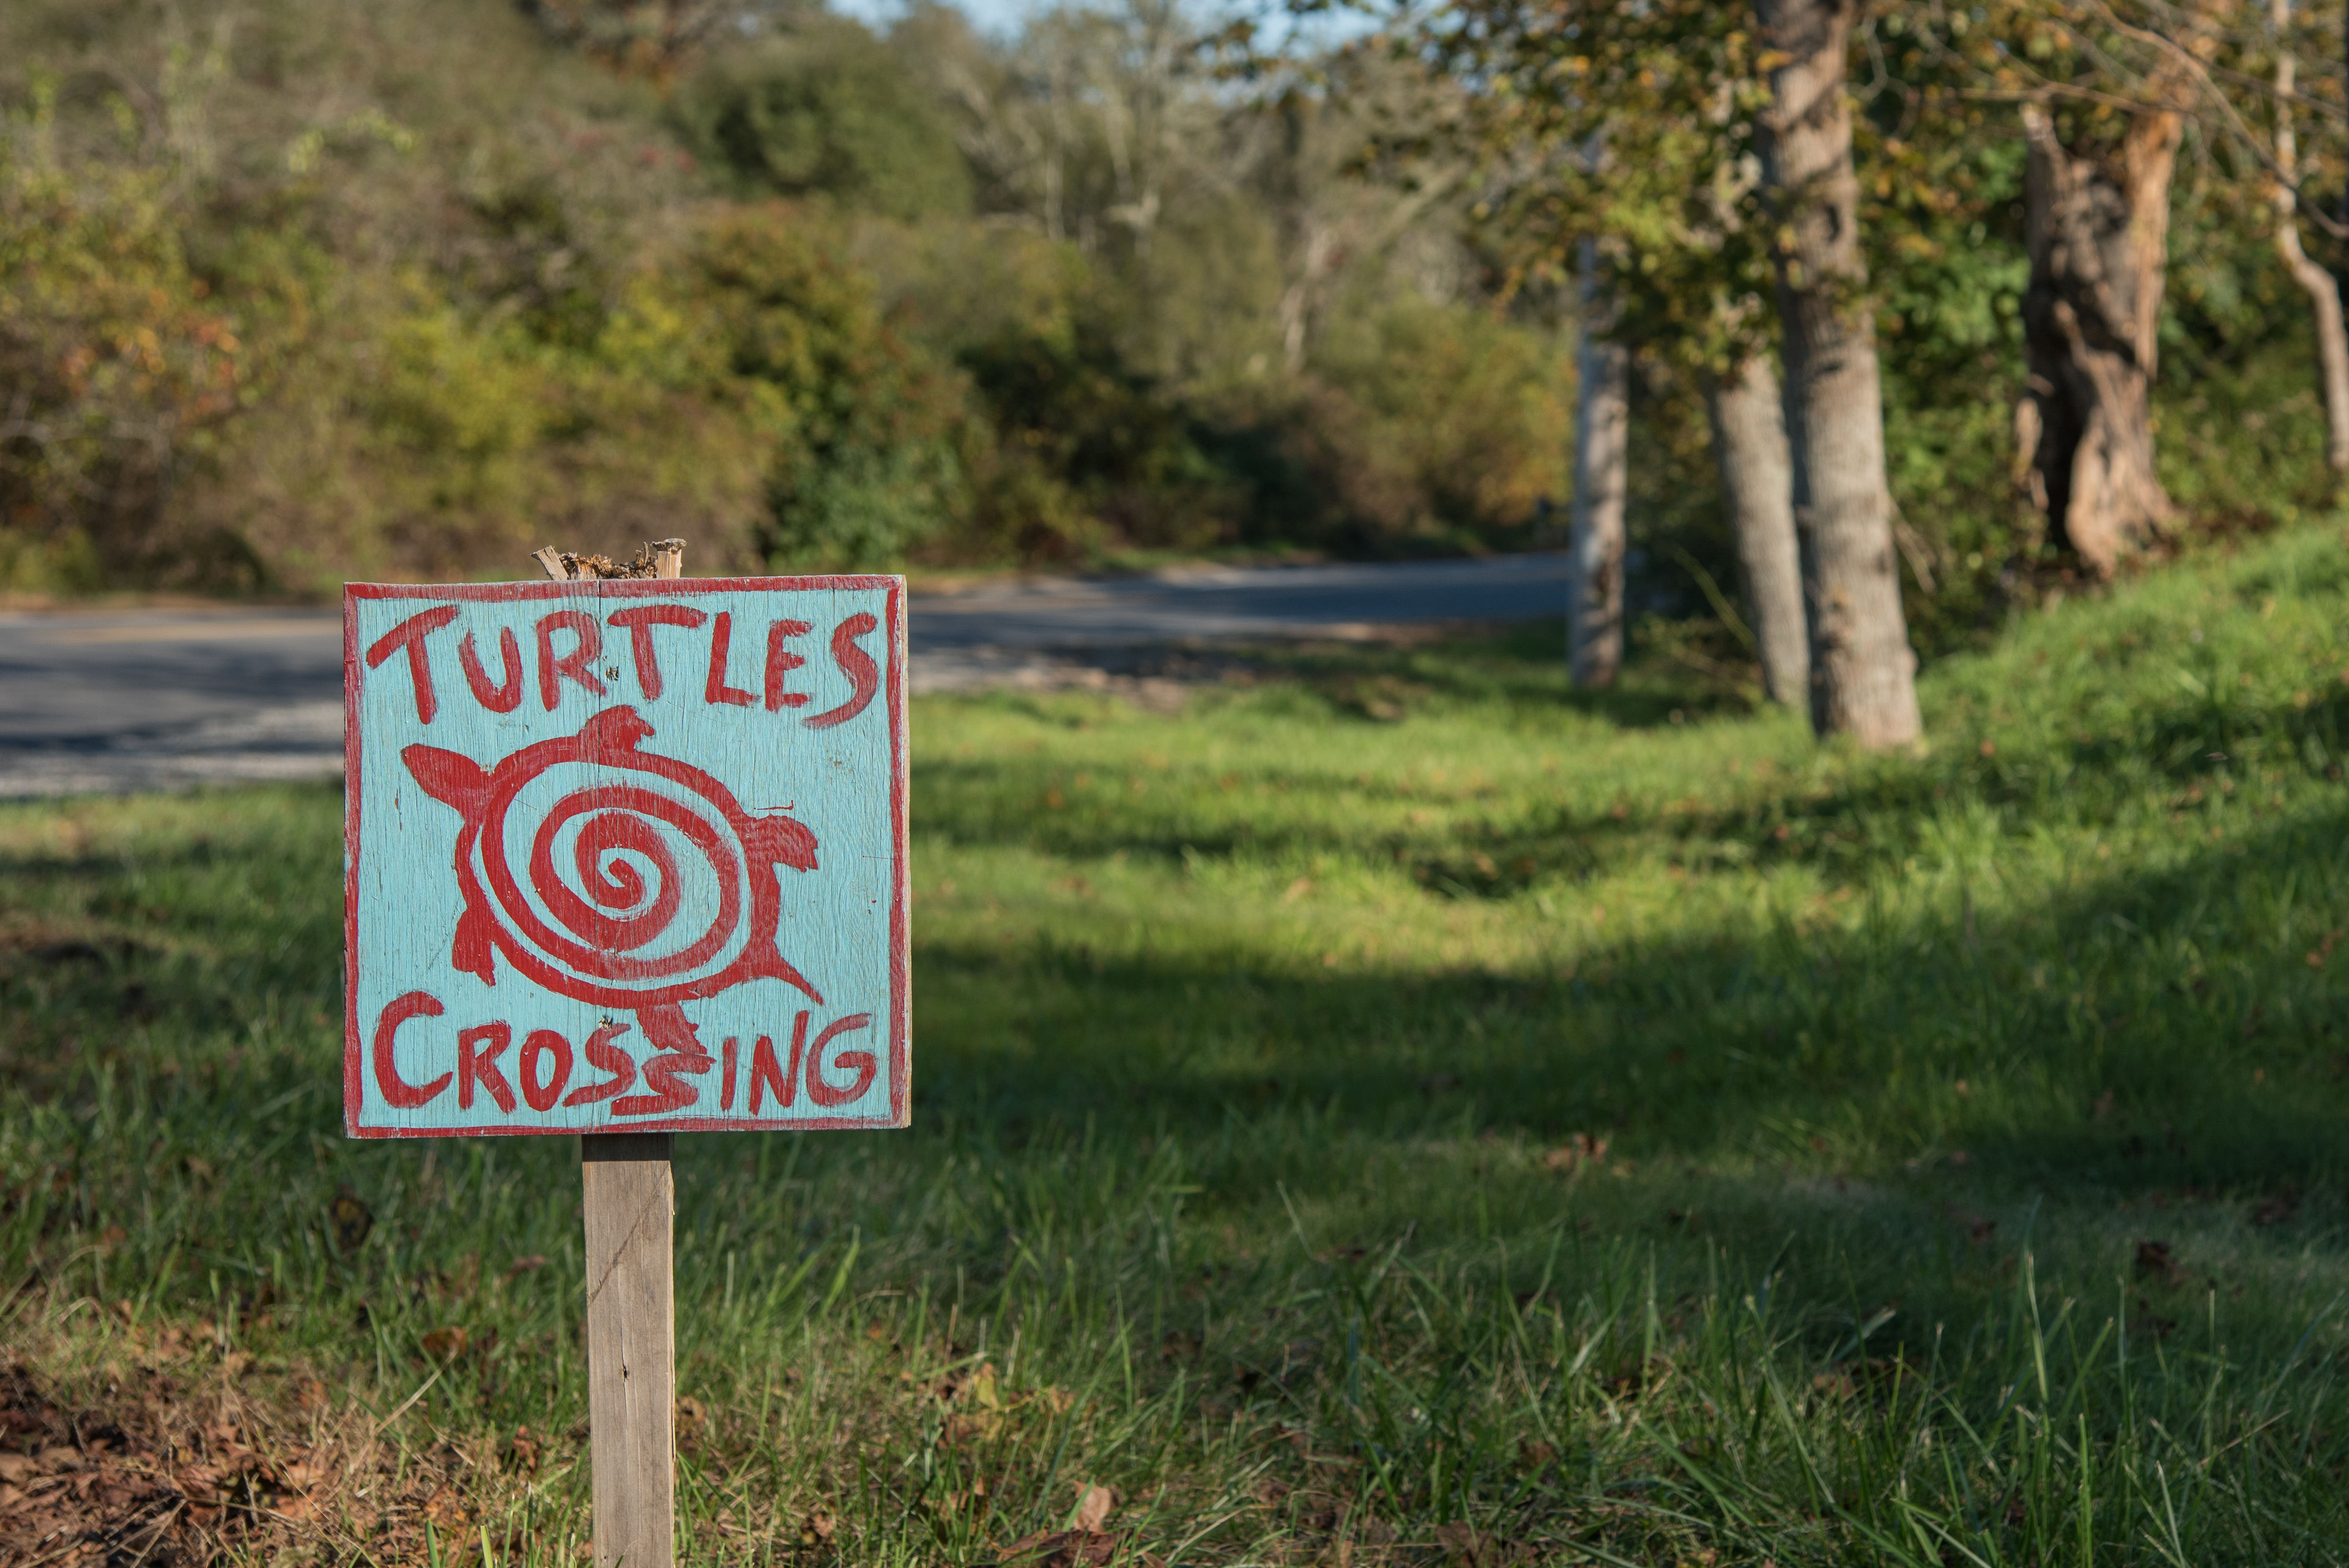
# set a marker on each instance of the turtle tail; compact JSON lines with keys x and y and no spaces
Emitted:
{"x":763,"y":959}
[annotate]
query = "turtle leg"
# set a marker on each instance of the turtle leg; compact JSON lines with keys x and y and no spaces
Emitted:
{"x":474,"y":949}
{"x":676,"y":1050}
{"x":668,"y":1028}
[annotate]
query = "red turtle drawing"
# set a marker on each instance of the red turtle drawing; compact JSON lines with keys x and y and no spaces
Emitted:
{"x":590,"y":855}
{"x":611,"y":940}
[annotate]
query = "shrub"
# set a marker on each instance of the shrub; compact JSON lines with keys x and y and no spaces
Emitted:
{"x":1442,"y":421}
{"x":862,"y":465}
{"x":827,"y":112}
{"x":117,"y":369}
{"x":1067,"y":405}
{"x":740,"y":388}
{"x":1464,"y":419}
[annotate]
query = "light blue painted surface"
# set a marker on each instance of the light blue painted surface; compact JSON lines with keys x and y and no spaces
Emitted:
{"x":647,"y":778}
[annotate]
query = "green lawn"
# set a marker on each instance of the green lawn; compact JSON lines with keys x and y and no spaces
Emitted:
{"x":1393,"y":1109}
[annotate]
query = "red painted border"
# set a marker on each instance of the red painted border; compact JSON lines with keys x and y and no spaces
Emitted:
{"x":901,"y":935}
{"x":353,"y":1091}
{"x":648,"y":1124}
{"x":900,"y":911}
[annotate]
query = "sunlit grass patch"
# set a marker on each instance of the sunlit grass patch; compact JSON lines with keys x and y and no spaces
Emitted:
{"x":1490,"y":1125}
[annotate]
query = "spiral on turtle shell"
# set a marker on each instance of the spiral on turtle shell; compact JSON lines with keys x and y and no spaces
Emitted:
{"x":607,"y":902}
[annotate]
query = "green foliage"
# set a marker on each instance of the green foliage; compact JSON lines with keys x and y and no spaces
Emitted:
{"x":478,"y":274}
{"x":1452,"y":418}
{"x":1397,"y":1100}
{"x":1416,"y":427}
{"x":1078,"y":412}
{"x":1044,"y":301}
{"x":1629,"y":126}
{"x":117,"y":369}
{"x":829,"y":111}
{"x":743,"y":385}
{"x":869,"y":467}
{"x":467,"y":406}
{"x":651,"y":40}
{"x":961,"y":286}
{"x":2242,"y":440}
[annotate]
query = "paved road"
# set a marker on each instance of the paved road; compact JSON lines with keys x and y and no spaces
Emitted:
{"x":156,"y":698}
{"x":1017,"y":631}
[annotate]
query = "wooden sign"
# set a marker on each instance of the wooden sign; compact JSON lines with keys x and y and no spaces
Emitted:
{"x":625,"y":856}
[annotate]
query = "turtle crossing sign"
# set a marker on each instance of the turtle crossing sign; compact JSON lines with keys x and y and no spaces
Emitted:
{"x":625,"y":855}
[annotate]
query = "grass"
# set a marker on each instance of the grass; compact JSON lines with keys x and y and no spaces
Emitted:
{"x":1396,"y":1110}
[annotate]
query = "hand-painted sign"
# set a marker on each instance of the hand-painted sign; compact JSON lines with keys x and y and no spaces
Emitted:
{"x":648,"y":875}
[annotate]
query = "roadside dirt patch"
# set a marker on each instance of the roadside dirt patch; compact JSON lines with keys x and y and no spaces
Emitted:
{"x":47,"y":944}
{"x":159,"y":1476}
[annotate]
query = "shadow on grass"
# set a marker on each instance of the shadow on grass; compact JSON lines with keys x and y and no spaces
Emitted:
{"x":2173,"y":1034}
{"x":1871,"y":815}
{"x":2179,"y":1029}
{"x":1522,"y":667}
{"x":1222,"y":1151}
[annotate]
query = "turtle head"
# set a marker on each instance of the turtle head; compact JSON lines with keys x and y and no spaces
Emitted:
{"x":612,"y":731}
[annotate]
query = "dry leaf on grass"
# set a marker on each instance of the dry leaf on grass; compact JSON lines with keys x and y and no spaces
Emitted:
{"x":1093,"y":1506}
{"x":524,"y":1451}
{"x":974,"y":1427}
{"x":1579,"y":1148}
{"x":351,"y":1219}
{"x":2277,"y":1208}
{"x":975,"y":1386}
{"x":2154,"y":1261}
{"x":446,"y":1508}
{"x":1064,"y":1549}
{"x":1459,"y":1540}
{"x":145,"y":1479}
{"x":446,"y":1344}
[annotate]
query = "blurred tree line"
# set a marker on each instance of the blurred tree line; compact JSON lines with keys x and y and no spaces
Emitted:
{"x":292,"y":291}
{"x":296,"y":290}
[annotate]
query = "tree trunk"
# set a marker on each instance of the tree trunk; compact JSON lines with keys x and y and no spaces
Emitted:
{"x":2323,"y":293}
{"x":1757,"y":485}
{"x":1862,"y":671}
{"x":1602,"y":418}
{"x":2099,"y":242}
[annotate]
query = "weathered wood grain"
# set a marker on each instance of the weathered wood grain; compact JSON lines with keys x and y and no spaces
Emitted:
{"x":631,"y":1203}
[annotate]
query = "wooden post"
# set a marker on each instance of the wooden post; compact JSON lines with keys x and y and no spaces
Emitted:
{"x":409,"y":1063}
{"x":631,"y":1201}
{"x":630,"y":1187}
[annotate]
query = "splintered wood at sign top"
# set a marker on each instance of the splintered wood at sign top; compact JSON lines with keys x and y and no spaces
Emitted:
{"x":625,"y":855}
